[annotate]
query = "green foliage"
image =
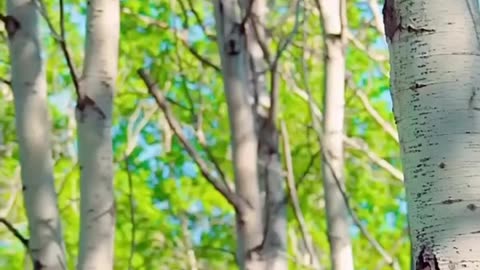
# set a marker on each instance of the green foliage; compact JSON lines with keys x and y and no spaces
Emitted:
{"x":174,"y":207}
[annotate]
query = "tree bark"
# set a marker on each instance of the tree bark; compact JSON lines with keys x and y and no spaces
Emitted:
{"x":232,"y":45}
{"x":434,"y":58}
{"x":32,"y":122}
{"x":333,"y":21}
{"x":94,"y":118}
{"x":271,"y":180}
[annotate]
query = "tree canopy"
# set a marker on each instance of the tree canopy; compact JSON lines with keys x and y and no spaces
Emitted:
{"x":168,"y":215}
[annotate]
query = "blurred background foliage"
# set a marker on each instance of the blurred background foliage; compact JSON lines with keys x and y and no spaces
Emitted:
{"x":169,"y":217}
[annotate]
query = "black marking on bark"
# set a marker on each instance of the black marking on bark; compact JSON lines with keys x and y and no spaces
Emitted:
{"x":472,"y":207}
{"x":426,"y":260}
{"x":451,"y":201}
{"x":233,"y":46}
{"x":417,"y":30}
{"x":12,"y":25}
{"x":475,"y":232}
{"x":84,"y":102}
{"x":442,"y":165}
{"x":37,"y":265}
{"x":391,"y":19}
{"x":24,"y":187}
{"x":417,"y":86}
{"x":255,"y":253}
{"x":471,"y":101}
{"x":393,"y":22}
{"x":220,"y":7}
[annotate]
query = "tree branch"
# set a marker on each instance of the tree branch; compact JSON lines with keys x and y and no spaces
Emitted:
{"x":274,"y":65}
{"x":375,"y":244}
{"x":237,"y":202}
{"x":182,"y":38}
{"x":60,"y":38}
{"x":5,"y":81}
{"x":15,"y":232}
{"x":358,"y":144}
{"x":131,"y":199}
{"x":389,"y":129}
{"x":307,"y":239}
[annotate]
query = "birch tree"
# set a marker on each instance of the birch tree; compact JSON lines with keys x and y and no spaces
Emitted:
{"x":334,"y":23}
{"x":274,"y":246}
{"x":232,"y":46}
{"x":29,"y":85}
{"x":434,"y":47}
{"x":94,"y":117}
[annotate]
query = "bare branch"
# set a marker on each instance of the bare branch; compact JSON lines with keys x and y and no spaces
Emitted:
{"x":375,"y":244}
{"x":132,"y":212}
{"x":357,"y":144}
{"x":359,"y":45}
{"x":181,"y":35}
{"x":248,"y":14}
{"x":377,"y":16}
{"x":5,"y":81}
{"x":198,"y":18}
{"x":362,"y":146}
{"x":307,"y":239}
{"x":389,"y":129}
{"x":15,"y":232}
{"x":274,"y":65}
{"x":60,"y":38}
{"x":63,"y":45}
{"x":236,"y":201}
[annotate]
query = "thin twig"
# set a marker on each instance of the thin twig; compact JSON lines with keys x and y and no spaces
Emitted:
{"x":197,"y":17}
{"x":354,"y":143}
{"x":377,"y":16}
{"x":63,"y":45}
{"x":181,"y":36}
{"x":375,"y":244}
{"x":389,"y":129}
{"x":248,"y":14}
{"x":274,"y":65}
{"x":60,"y":38}
{"x":132,"y":212}
{"x":15,"y":232}
{"x":5,"y":81}
{"x":307,"y":239}
{"x":236,"y":201}
{"x":358,"y":144}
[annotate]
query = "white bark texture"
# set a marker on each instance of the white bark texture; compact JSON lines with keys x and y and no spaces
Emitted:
{"x":332,"y":142}
{"x":434,"y":58}
{"x":33,"y":133}
{"x":232,"y":46}
{"x":98,"y":82}
{"x":271,"y":180}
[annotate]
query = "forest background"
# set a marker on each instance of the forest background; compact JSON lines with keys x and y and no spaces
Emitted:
{"x":167,"y":213}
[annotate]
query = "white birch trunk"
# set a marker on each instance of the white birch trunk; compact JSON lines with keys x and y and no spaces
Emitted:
{"x":271,"y":181}
{"x":435,"y":58}
{"x":232,"y":45}
{"x":33,"y":133}
{"x":332,"y":142}
{"x":98,"y":81}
